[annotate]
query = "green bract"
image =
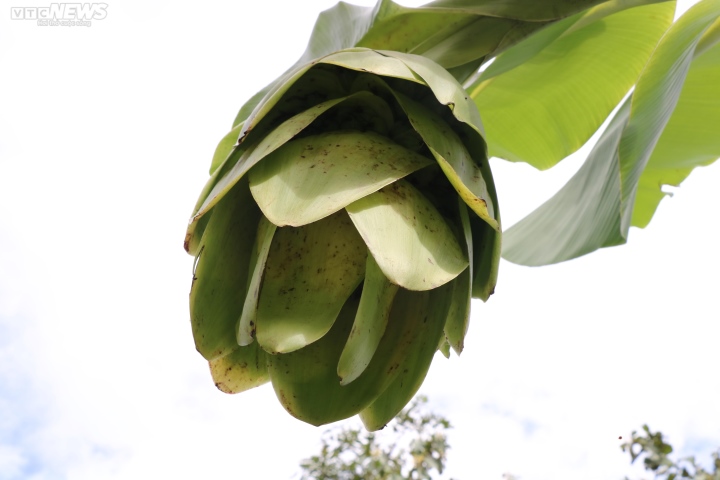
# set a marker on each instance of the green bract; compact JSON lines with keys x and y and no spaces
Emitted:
{"x":346,"y":224}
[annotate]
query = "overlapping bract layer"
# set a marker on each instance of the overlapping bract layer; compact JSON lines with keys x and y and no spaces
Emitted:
{"x":340,"y":239}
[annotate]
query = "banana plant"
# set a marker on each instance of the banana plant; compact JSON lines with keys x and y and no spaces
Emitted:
{"x":351,"y":215}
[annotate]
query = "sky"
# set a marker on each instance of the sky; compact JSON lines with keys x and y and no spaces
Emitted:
{"x":107,"y":134}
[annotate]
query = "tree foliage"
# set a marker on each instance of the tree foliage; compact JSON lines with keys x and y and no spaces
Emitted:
{"x":413,"y":446}
{"x":655,"y":452}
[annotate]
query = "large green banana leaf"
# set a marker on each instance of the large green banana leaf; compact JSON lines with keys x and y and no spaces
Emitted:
{"x":692,"y":135}
{"x":669,"y":125}
{"x":553,"y":100}
{"x":458,"y":34}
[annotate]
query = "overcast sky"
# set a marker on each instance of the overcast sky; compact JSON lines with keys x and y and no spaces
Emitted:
{"x":106,"y":136}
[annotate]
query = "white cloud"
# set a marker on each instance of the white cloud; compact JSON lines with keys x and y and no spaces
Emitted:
{"x":12,"y":461}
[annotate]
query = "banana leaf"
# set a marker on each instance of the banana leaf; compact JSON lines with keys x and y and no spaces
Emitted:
{"x":458,"y":35}
{"x":666,"y":128}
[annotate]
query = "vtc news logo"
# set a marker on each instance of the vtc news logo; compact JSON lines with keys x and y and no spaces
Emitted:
{"x":66,"y":14}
